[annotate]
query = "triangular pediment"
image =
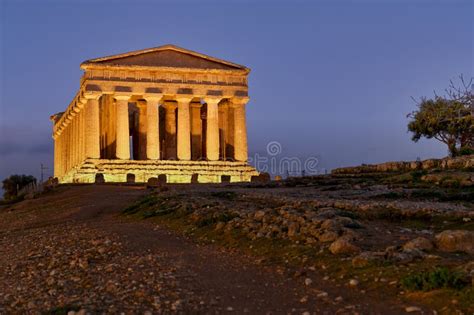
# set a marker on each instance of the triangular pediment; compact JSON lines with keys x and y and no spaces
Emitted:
{"x":169,"y":56}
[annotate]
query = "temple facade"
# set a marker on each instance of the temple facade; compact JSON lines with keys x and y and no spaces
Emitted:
{"x":159,"y":111}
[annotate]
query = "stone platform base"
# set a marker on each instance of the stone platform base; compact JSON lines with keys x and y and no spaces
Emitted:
{"x":116,"y":171}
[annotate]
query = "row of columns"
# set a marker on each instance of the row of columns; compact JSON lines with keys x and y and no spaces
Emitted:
{"x":184,"y":130}
{"x":70,"y":147}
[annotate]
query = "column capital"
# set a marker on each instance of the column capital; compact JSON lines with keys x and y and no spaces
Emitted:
{"x":153,"y":97}
{"x":122,"y":96}
{"x":184,"y":98}
{"x":80,"y":103}
{"x":89,"y":95}
{"x":142,"y":104}
{"x":170,"y":104}
{"x":195,"y":104}
{"x":212,"y":99}
{"x":240,"y":100}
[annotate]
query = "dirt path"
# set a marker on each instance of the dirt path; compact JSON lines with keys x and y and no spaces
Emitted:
{"x":72,"y":248}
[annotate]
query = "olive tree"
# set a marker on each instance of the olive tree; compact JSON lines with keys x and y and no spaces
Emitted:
{"x":449,"y":119}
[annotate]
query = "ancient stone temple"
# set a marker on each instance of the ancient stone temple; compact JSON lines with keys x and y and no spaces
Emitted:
{"x":159,"y":111}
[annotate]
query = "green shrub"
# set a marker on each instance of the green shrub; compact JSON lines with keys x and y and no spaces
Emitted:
{"x":416,"y":175}
{"x":466,"y":151}
{"x":214,"y":218}
{"x":62,"y":310}
{"x":390,"y":195}
{"x":348,"y":214}
{"x":436,"y":279}
{"x":143,"y":203}
{"x":450,"y":182}
{"x":230,"y":195}
{"x":389,"y":214}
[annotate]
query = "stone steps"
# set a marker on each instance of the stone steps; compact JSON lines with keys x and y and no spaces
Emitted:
{"x":176,"y":171}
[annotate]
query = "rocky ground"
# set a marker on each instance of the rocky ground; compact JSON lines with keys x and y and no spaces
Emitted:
{"x":386,"y":243}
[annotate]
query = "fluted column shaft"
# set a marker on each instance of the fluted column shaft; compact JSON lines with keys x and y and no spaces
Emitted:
{"x":123,"y":128}
{"x":92,"y":127}
{"x":75,"y":140}
{"x":212,"y":130}
{"x":81,"y":135}
{"x":184,"y":130}
{"x":60,"y":154}
{"x":152,"y":122}
{"x":142,"y":130}
{"x":73,"y":144}
{"x":57,"y":155}
{"x":196,"y":130}
{"x":170,"y":130}
{"x":68,"y":152}
{"x":240,"y":130}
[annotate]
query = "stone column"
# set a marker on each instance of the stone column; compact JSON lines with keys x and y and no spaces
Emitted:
{"x":74,"y":140}
{"x":64,"y":158}
{"x":196,"y":131}
{"x":68,"y":147}
{"x":81,"y":135}
{"x":153,"y":127}
{"x":170,"y":130}
{"x":142,"y":130}
{"x":60,"y":154}
{"x":63,"y":152}
{"x":240,"y":129}
{"x":92,"y":127}
{"x":212,"y":130}
{"x":123,"y":129}
{"x":70,"y":144}
{"x":184,"y":130}
{"x":223,"y":110}
{"x":57,"y":154}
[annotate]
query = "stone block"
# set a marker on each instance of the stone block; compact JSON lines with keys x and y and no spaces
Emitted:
{"x":152,"y":182}
{"x":225,"y":178}
{"x":130,"y":178}
{"x":264,"y":177}
{"x":99,"y":178}
{"x":162,"y":179}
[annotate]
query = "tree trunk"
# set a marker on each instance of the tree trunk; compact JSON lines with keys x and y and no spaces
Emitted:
{"x":452,"y":147}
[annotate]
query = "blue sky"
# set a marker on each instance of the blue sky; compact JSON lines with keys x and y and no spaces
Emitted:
{"x":332,"y":79}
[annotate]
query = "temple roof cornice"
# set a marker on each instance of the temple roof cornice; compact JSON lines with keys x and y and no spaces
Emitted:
{"x":165,"y":57}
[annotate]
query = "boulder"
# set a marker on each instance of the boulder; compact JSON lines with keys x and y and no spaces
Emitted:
{"x":343,"y":246}
{"x":366,"y":258}
{"x":406,"y":256}
{"x":152,"y":182}
{"x":220,"y":226}
{"x":258,"y":216}
{"x":293,"y":229}
{"x":430,"y":164}
{"x":328,"y":236}
{"x":419,"y":243}
{"x":402,"y":255}
{"x":455,"y":241}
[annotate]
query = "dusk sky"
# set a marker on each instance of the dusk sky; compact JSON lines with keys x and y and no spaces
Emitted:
{"x":331,"y":79}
